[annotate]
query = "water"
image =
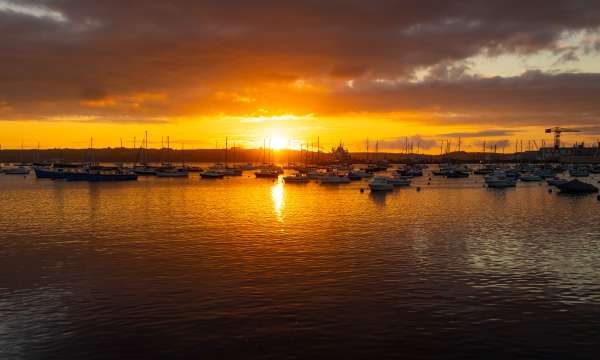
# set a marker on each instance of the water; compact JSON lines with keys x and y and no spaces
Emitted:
{"x":248,"y":268}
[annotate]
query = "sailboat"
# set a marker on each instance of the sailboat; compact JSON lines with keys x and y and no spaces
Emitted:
{"x":17,"y":169}
{"x":144,"y":169}
{"x":168,"y":170}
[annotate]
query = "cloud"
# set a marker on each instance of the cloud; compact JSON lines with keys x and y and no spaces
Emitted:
{"x":479,"y":134}
{"x":90,"y":58}
{"x":415,"y":141}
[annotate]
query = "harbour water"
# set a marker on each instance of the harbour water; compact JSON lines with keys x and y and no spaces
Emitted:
{"x":251,"y":268}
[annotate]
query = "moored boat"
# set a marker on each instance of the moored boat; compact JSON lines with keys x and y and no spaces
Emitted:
{"x":380,"y":183}
{"x":577,"y":187}
{"x":101,"y":173}
{"x":499,"y":180}
{"x":530,"y":178}
{"x":296,"y":178}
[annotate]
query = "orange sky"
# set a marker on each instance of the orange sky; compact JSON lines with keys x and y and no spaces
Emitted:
{"x":292,"y":72}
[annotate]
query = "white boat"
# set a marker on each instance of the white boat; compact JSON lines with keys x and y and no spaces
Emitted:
{"x":398,"y":180}
{"x":498,"y":179}
{"x":380,"y":183}
{"x":16,"y":170}
{"x":334,"y":179}
{"x":296,"y":178}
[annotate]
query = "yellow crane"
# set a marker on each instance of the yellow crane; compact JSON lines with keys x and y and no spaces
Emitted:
{"x":557,"y":131}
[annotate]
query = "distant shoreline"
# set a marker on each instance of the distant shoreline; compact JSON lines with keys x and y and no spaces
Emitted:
{"x":129,"y":155}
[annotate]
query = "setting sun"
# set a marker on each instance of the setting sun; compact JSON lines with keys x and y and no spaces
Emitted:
{"x":278,"y":143}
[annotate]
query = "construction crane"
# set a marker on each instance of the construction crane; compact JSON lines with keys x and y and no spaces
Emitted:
{"x":557,"y":131}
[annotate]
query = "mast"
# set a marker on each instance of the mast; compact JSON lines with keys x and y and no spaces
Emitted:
{"x":226,"y":151}
{"x":318,"y":149}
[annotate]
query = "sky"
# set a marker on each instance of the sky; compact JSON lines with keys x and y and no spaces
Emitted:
{"x":290,"y":72}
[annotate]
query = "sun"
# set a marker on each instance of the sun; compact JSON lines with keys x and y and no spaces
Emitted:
{"x":278,"y":143}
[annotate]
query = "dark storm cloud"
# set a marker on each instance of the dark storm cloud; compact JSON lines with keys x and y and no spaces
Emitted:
{"x":187,"y":50}
{"x":531,"y":99}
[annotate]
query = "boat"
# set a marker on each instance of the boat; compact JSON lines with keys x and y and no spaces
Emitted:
{"x":144,"y":170}
{"x":191,"y":168}
{"x":211,"y":174}
{"x":247,"y":167}
{"x":546,"y":173}
{"x":399,"y":180}
{"x":232,"y":171}
{"x":484,"y":170}
{"x":457,"y":174}
{"x":334,"y":179}
{"x":531,"y":178}
{"x":577,"y":187}
{"x":101,"y":173}
{"x":296,"y":178}
{"x":16,"y":170}
{"x":55,"y":170}
{"x":267,"y":173}
{"x":358,"y":174}
{"x":499,"y":180}
{"x":380,"y":183}
{"x":595,"y":169}
{"x":579,"y":172}
{"x":171,"y":172}
{"x":555,"y":181}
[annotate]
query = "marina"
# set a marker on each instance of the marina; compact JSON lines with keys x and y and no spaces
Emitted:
{"x":202,"y":254}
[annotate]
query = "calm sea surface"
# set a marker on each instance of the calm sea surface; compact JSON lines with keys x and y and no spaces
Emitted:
{"x":250,"y":268}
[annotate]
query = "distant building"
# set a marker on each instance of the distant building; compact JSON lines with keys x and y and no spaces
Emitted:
{"x":340,"y":154}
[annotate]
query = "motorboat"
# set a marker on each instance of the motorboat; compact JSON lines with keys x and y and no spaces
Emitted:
{"x":144,"y":170}
{"x":577,"y":187}
{"x":55,"y":170}
{"x":334,"y":179}
{"x":530,"y":178}
{"x":296,"y":178}
{"x":499,"y":179}
{"x":380,"y":183}
{"x":556,"y":181}
{"x":267,"y":173}
{"x":358,"y":174}
{"x":232,"y":171}
{"x":172,"y":172}
{"x":16,"y":170}
{"x":457,"y":174}
{"x":546,"y":173}
{"x":399,"y":180}
{"x":484,"y":170}
{"x":211,"y":174}
{"x":191,"y":168}
{"x":101,"y":173}
{"x":579,"y":172}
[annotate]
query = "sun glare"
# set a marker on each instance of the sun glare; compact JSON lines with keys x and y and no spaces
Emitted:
{"x":278,"y":143}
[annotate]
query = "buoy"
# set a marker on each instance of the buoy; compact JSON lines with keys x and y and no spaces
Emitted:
{"x":549,"y":191}
{"x":418,"y":188}
{"x":428,"y":183}
{"x":362,"y":190}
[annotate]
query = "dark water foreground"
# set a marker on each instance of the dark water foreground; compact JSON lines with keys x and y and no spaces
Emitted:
{"x":245,"y":268}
